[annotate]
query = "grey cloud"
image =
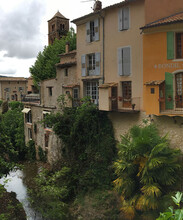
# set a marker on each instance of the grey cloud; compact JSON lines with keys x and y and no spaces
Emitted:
{"x":7,"y":72}
{"x":20,"y":35}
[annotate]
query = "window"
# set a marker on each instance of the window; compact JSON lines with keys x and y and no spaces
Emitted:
{"x":21,"y":89}
{"x":12,"y":97}
{"x":123,"y":19}
{"x":179,"y":45}
{"x":50,"y":91}
{"x":53,"y":27}
{"x":29,"y":133}
{"x":28,"y":117}
{"x":126,"y":93}
{"x":92,"y":91}
{"x":124,"y":61}
{"x":92,"y":30}
{"x":90,"y":64}
{"x":66,"y":72}
{"x":152,"y":90}
{"x":46,"y":124}
{"x":75,"y":93}
{"x":46,"y":138}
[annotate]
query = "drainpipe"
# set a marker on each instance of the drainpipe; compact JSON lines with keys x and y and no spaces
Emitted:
{"x":103,"y":50}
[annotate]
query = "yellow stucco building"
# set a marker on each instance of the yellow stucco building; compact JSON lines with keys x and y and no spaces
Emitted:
{"x":163,"y":66}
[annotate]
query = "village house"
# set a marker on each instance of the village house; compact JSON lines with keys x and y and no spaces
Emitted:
{"x":112,"y":63}
{"x":13,"y":88}
{"x":65,"y":84}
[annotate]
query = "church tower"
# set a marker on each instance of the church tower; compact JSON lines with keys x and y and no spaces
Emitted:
{"x":58,"y":26}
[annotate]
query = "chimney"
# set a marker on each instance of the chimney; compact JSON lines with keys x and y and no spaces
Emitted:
{"x":67,"y":47}
{"x":97,"y":6}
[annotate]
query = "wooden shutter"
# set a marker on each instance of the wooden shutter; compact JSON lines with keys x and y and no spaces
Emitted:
{"x":125,"y":18}
{"x":96,"y":28}
{"x":120,"y":62}
{"x":120,"y":19}
{"x":126,"y":65}
{"x":170,"y":45}
{"x":88,"y":32}
{"x":97,"y":64}
{"x":83,"y":65}
{"x":168,"y":90}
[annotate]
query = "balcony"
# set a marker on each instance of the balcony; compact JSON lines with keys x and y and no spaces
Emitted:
{"x":171,"y":106}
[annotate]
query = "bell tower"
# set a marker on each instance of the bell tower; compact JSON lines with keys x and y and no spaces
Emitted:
{"x":58,"y":26}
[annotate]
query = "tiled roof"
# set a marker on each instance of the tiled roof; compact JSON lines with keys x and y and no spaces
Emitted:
{"x":69,"y":53}
{"x":66,"y":64}
{"x":154,"y":82}
{"x":58,"y":14}
{"x":124,"y":2}
{"x":12,"y":79}
{"x":107,"y":85}
{"x":175,"y":18}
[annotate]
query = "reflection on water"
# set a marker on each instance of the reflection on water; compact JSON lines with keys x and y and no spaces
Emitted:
{"x":17,"y":182}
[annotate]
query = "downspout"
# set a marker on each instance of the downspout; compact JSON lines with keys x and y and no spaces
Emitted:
{"x":103,"y":49}
{"x":103,"y":79}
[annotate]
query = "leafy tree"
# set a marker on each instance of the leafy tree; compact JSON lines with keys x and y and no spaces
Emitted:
{"x":147,"y":169}
{"x":44,"y":67}
{"x":13,"y":125}
{"x":7,"y":151}
{"x":88,"y":145}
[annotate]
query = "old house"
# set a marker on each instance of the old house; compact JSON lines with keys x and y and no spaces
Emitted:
{"x":13,"y":88}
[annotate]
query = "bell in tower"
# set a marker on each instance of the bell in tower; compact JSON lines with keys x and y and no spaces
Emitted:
{"x":58,"y":26}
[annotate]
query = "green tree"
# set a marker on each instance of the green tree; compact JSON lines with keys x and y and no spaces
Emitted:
{"x":147,"y":169}
{"x":13,"y":126}
{"x":89,"y":146}
{"x":44,"y":67}
{"x":7,"y":151}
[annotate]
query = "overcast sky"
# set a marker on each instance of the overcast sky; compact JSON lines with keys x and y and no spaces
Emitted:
{"x":24,"y":29}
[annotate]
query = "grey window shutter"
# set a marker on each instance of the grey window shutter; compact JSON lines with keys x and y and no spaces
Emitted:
{"x":126,"y":66}
{"x":83,"y":65}
{"x":88,"y":32}
{"x":120,"y":19}
{"x":120,"y":62}
{"x":96,"y":26}
{"x":97,"y":64}
{"x":125,"y":18}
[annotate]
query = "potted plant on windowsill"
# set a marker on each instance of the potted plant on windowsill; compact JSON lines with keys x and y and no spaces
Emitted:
{"x":169,"y":98}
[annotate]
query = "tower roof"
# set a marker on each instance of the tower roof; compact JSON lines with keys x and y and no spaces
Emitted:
{"x":58,"y":14}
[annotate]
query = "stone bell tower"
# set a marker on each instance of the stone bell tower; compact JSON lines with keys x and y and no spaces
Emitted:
{"x":58,"y":26}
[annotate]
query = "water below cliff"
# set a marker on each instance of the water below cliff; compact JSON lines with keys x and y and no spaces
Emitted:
{"x":18,"y":181}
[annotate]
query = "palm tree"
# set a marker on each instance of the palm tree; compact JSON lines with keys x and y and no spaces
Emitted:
{"x":147,"y":170}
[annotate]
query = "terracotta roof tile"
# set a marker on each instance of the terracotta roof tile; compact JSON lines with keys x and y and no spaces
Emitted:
{"x":175,"y":18}
{"x":154,"y":82}
{"x":13,"y":79}
{"x":58,"y":14}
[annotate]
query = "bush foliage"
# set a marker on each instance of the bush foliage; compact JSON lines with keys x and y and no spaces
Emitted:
{"x":147,"y":169}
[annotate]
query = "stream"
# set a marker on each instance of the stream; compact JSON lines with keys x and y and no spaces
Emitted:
{"x":17,"y":181}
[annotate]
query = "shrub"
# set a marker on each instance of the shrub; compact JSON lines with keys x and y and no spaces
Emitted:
{"x":42,"y":154}
{"x":31,"y":150}
{"x":4,"y":107}
{"x":15,"y":105}
{"x":147,"y":169}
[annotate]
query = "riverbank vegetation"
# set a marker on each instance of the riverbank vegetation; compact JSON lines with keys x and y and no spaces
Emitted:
{"x":12,"y":150}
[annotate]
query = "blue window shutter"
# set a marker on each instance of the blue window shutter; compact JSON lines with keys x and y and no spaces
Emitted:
{"x":120,"y":19}
{"x":96,"y":26}
{"x":83,"y":65}
{"x":170,"y":45}
{"x":126,"y":64}
{"x":97,"y":64}
{"x":120,"y":62}
{"x":88,"y":32}
{"x":125,"y":18}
